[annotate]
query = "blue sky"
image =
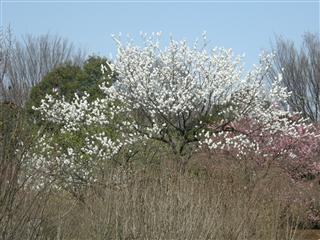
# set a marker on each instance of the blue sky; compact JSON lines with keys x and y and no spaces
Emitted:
{"x":245,"y":26}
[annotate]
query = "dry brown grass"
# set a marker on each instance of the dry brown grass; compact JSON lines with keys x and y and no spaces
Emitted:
{"x":146,"y":203}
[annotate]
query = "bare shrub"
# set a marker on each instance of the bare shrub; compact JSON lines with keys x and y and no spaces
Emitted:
{"x":22,"y":201}
{"x":144,"y":203}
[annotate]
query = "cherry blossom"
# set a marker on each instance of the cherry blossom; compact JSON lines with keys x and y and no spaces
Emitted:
{"x":184,"y":96}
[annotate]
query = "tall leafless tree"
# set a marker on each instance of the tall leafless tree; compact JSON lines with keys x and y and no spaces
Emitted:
{"x":300,"y":69}
{"x":24,"y":62}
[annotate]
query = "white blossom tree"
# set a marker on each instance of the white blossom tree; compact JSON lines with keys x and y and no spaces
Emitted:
{"x":81,"y":136}
{"x":182,"y":96}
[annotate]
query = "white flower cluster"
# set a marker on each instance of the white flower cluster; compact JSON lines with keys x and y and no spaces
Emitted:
{"x":89,"y":132}
{"x":173,"y":89}
{"x":175,"y":82}
{"x":171,"y":95}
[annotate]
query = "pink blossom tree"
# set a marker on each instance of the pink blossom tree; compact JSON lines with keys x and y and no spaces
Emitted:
{"x":296,"y":154}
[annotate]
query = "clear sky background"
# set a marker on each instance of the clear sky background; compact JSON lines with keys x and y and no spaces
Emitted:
{"x":245,"y":26}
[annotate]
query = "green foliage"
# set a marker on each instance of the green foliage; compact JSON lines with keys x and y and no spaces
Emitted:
{"x":69,"y":79}
{"x":94,"y":77}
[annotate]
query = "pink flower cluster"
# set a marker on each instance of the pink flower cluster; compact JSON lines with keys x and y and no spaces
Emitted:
{"x":298,"y":154}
